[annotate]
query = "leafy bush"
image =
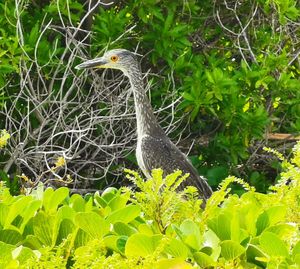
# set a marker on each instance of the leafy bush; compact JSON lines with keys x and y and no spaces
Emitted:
{"x":154,"y":227}
{"x":234,"y":68}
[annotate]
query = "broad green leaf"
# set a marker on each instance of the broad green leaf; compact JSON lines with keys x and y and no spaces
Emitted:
{"x":77,"y":203}
{"x":212,"y":241}
{"x":99,"y":201}
{"x":124,"y":229}
{"x":236,"y":232}
{"x":282,"y":230}
{"x":262,"y":222}
{"x":176,"y":263}
{"x":273,"y":245}
{"x":32,"y":242}
{"x":66,"y":227}
{"x":191,"y":234}
{"x":297,"y":260}
{"x":296,"y":249}
{"x":4,"y":209}
{"x":57,"y":198}
{"x":255,"y":255}
{"x":92,"y":224}
{"x":121,"y":242}
{"x":125,"y":214}
{"x":45,"y":228}
{"x":10,"y":236}
{"x":118,"y":202}
{"x":221,"y":226}
{"x":109,"y":193}
{"x":47,"y":198}
{"x":110,"y":242}
{"x":29,"y":212}
{"x":188,"y":96}
{"x":230,"y":250}
{"x":141,"y":245}
{"x":203,"y":260}
{"x":82,"y":238}
{"x":177,"y":249}
{"x":89,"y":206}
{"x":5,"y":254}
{"x":22,"y":254}
{"x":66,"y":212}
{"x":16,"y":209}
{"x":145,"y":229}
{"x":269,"y":217}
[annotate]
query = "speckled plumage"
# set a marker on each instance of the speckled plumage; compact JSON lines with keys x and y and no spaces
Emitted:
{"x":154,"y":148}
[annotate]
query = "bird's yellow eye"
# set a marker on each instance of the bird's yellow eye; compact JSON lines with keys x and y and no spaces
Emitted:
{"x":114,"y":58}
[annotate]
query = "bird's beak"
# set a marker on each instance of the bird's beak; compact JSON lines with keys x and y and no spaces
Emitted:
{"x":95,"y":63}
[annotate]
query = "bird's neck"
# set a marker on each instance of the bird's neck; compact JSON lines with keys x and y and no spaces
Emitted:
{"x":146,"y":121}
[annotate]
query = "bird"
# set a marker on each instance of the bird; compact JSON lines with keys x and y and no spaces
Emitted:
{"x":154,"y":148}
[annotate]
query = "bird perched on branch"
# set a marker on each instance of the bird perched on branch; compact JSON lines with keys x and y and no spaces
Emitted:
{"x":154,"y":149}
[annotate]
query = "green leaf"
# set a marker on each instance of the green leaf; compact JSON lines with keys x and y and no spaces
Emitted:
{"x":22,"y":254}
{"x":118,"y":202}
{"x":177,"y":249}
{"x":45,"y":228}
{"x":230,"y":250}
{"x":203,"y":260}
{"x":82,"y":238}
{"x":57,"y":197}
{"x":173,"y":264}
{"x":269,"y":217}
{"x":191,"y":234}
{"x":124,"y":229}
{"x":77,"y":203}
{"x":4,"y":209}
{"x":16,"y":209}
{"x":121,"y":242}
{"x":109,"y":193}
{"x":221,"y":226}
{"x":125,"y":214}
{"x":5,"y":254}
{"x":213,"y":242}
{"x":29,"y":212}
{"x":296,"y":249}
{"x":93,"y":224}
{"x":66,"y":227}
{"x":10,"y":236}
{"x":141,"y":245}
{"x":188,"y":96}
{"x":66,"y":212}
{"x":273,"y":245}
{"x":256,"y":255}
{"x":282,"y":230}
{"x":110,"y":242}
{"x":32,"y":242}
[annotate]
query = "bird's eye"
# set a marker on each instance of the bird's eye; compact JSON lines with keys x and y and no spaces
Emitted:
{"x":114,"y":58}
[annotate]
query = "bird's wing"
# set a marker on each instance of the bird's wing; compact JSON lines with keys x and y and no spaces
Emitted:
{"x":162,"y":153}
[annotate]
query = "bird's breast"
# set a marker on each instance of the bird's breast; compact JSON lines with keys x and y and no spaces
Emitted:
{"x":139,"y":156}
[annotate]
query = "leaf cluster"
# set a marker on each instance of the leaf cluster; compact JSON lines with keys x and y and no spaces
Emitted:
{"x":128,"y":229}
{"x":235,"y":68}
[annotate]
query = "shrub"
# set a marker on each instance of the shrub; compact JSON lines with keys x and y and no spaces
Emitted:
{"x":233,"y":70}
{"x":154,"y":227}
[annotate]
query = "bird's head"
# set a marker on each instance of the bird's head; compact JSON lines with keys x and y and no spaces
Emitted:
{"x":121,"y":59}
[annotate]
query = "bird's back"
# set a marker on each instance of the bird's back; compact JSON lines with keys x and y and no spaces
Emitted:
{"x":160,"y":152}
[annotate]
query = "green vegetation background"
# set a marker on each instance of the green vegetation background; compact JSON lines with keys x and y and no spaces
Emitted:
{"x":236,"y":67}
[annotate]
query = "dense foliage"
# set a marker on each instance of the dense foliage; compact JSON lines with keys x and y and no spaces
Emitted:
{"x":224,"y":75}
{"x":234,"y":64}
{"x":154,"y":227}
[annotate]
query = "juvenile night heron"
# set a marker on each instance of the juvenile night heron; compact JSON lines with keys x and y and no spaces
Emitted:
{"x":154,"y":149}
